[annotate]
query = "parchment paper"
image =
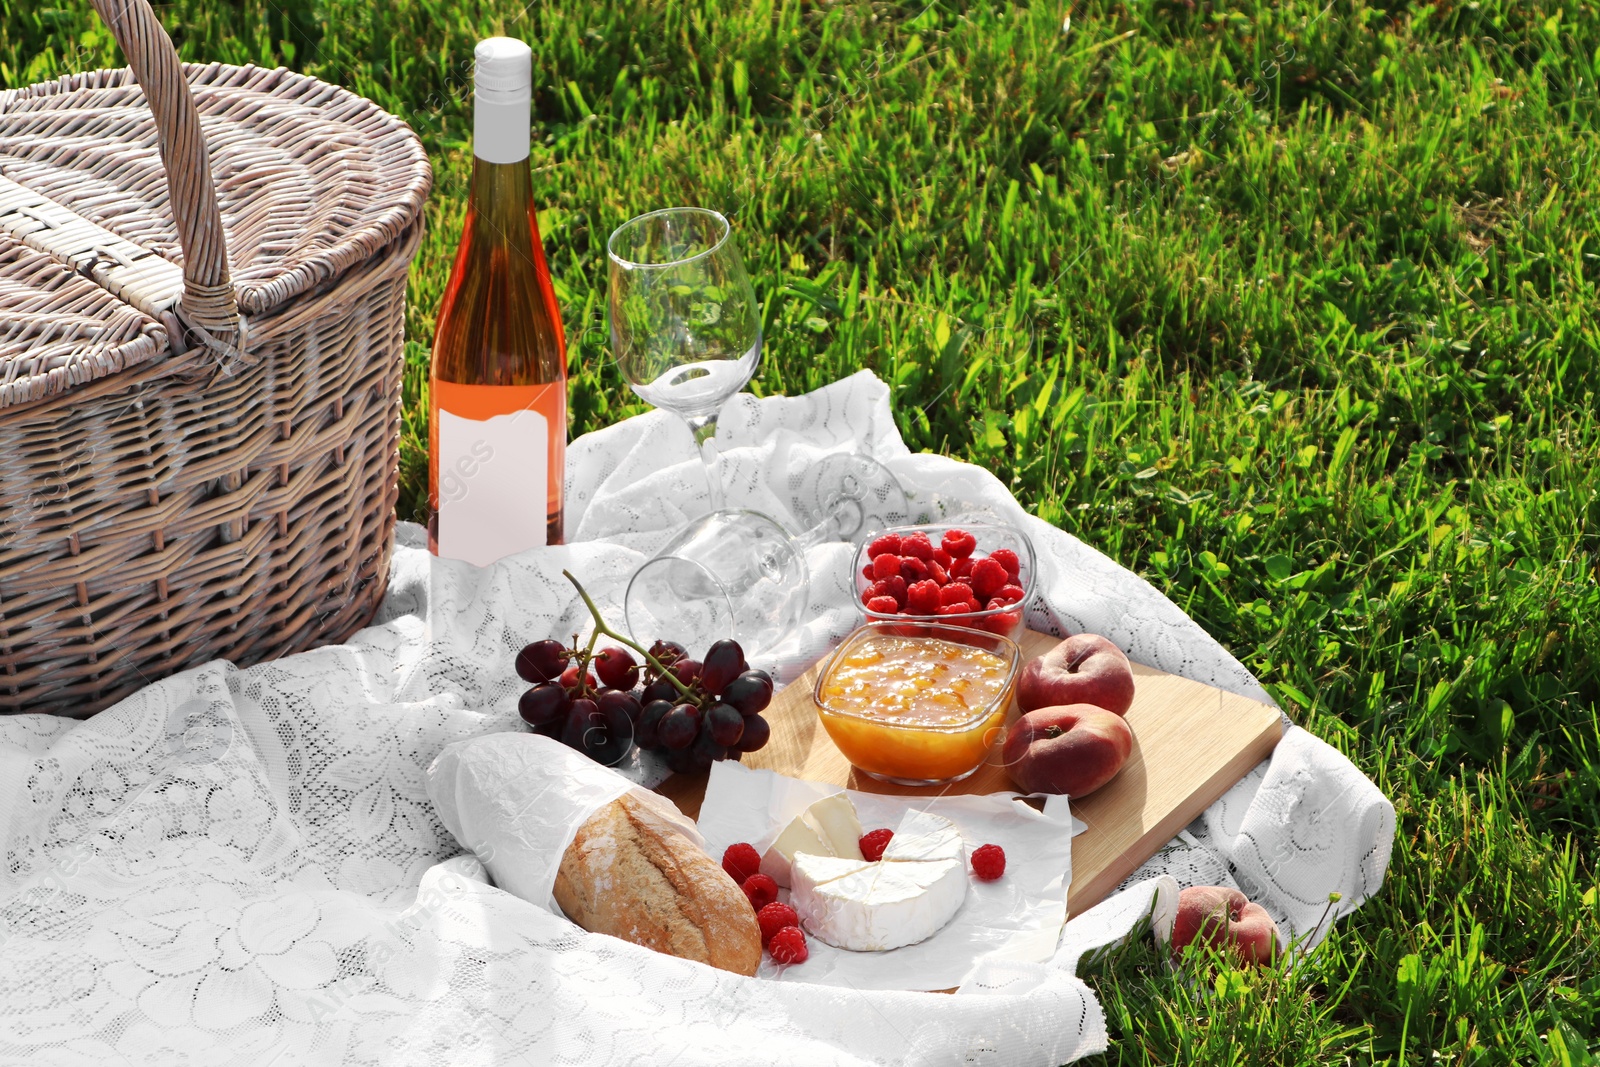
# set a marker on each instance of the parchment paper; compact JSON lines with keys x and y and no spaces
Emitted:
{"x":1018,"y":917}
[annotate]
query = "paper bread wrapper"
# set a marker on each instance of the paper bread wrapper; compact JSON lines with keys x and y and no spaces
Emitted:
{"x":516,"y":801}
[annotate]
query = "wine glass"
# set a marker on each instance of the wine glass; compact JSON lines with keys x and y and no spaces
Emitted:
{"x":730,"y":573}
{"x":685,"y":325}
{"x":844,"y":495}
{"x":735,"y":572}
{"x":686,"y":333}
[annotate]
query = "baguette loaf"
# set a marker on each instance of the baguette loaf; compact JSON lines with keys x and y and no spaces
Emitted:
{"x":630,"y":873}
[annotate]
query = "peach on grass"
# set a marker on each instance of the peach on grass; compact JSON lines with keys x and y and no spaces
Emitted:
{"x":1224,"y":918}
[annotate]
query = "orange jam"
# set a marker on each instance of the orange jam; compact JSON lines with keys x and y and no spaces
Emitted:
{"x":914,"y":708}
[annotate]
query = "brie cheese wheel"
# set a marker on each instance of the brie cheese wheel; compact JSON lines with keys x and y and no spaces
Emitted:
{"x":828,"y":827}
{"x":876,"y":906}
{"x":821,"y":870}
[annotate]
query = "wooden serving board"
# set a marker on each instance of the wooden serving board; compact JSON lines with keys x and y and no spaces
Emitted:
{"x":1191,"y":743}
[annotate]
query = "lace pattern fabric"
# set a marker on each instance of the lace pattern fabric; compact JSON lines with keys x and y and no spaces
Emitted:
{"x":243,"y":866}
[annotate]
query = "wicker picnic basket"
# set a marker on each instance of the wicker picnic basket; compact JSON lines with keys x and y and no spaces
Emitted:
{"x":202,"y":294}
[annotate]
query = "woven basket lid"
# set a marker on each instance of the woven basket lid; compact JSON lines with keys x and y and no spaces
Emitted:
{"x":310,"y":179}
{"x":59,"y":329}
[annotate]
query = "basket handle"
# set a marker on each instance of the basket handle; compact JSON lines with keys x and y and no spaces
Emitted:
{"x":207,"y":306}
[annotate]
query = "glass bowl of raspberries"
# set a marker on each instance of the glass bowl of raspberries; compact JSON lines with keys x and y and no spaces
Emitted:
{"x":979,"y":576}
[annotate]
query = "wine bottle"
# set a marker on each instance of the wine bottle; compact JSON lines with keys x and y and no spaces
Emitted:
{"x":498,"y":396}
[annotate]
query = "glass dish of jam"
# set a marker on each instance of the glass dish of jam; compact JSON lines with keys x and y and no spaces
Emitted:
{"x":917,"y":703}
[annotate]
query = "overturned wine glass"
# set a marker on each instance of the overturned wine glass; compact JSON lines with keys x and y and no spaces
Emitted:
{"x":739,"y":573}
{"x":686,"y":333}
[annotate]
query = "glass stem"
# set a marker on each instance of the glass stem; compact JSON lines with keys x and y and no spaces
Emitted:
{"x":842,"y":519}
{"x":826,"y":530}
{"x":704,"y":428}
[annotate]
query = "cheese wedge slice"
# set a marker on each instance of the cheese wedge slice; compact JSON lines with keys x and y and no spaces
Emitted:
{"x":877,"y":906}
{"x":828,"y":827}
{"x":799,"y":836}
{"x":922,"y":835}
{"x":836,"y":818}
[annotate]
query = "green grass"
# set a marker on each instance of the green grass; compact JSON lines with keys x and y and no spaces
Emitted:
{"x":1290,"y":309}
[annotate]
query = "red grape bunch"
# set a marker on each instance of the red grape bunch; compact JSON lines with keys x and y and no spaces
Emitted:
{"x":693,"y":711}
{"x":709,"y":709}
{"x":568,"y":703}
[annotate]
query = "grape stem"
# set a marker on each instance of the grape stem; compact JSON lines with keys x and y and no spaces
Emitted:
{"x":583,"y":662}
{"x":600,"y":627}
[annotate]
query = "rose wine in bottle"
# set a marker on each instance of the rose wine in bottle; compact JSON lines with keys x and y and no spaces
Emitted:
{"x":498,"y":400}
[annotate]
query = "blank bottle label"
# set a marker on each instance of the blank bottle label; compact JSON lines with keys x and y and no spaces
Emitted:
{"x":494,"y":471}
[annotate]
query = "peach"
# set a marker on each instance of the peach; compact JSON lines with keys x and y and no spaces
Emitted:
{"x":1220,"y":917}
{"x":1073,"y":750}
{"x":1083,"y":669}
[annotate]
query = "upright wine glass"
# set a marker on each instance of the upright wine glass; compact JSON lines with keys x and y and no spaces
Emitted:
{"x":685,"y":325}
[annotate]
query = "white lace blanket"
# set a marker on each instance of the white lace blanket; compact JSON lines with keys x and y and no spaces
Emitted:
{"x":243,"y":866}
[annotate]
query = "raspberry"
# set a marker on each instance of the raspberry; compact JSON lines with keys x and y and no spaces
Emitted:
{"x":937,"y":572}
{"x":923,"y":597}
{"x":961,"y":568}
{"x":788,"y":946}
{"x":957,"y":609}
{"x":943,"y":558}
{"x":741,"y":861}
{"x":1003,"y":623}
{"x":988,"y":862}
{"x":761,"y":890}
{"x":959,"y":543}
{"x":875,"y":589}
{"x":913,"y":569}
{"x":1007,"y":559}
{"x":775,"y":917}
{"x":956,"y":593}
{"x":887,"y":544}
{"x":1010,"y":594}
{"x":897,"y":587}
{"x":868,"y":573}
{"x":874,"y":842}
{"x":887,"y":564}
{"x":917,"y":545}
{"x":883,"y":605}
{"x":988,"y":578}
